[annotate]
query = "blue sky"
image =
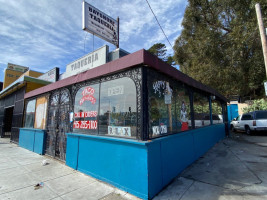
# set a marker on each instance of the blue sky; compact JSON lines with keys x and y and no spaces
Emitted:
{"x":45,"y":34}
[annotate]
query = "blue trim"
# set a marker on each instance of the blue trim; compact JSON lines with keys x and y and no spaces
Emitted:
{"x":210,"y":107}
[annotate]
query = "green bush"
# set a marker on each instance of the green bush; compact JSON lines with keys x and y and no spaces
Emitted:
{"x":259,"y":104}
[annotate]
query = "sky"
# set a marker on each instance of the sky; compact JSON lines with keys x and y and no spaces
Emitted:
{"x":45,"y":34}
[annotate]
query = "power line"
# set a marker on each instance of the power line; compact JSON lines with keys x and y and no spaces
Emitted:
{"x":159,"y":24}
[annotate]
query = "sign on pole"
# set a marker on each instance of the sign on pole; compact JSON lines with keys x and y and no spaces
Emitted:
{"x":100,"y":24}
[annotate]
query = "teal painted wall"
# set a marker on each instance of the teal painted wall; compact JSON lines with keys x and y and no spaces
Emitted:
{"x":140,"y":168}
{"x":32,"y":139}
{"x":169,"y":156}
{"x":120,"y":162}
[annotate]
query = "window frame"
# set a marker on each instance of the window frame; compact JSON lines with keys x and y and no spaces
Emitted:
{"x":25,"y":115}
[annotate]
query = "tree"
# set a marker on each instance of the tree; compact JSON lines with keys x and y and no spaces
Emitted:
{"x":220,"y":45}
{"x":170,"y":60}
{"x":160,"y":50}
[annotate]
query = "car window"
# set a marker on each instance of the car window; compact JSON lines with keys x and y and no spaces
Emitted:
{"x":238,"y":118}
{"x":261,"y":115}
{"x":246,"y":117}
{"x":215,"y":117}
{"x":207,"y":117}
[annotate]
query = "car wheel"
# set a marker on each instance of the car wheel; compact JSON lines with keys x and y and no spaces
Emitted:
{"x":248,"y":131}
{"x":232,"y":128}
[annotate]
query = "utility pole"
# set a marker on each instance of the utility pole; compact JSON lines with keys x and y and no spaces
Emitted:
{"x":262,"y":33}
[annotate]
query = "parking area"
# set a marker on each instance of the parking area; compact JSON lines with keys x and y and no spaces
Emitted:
{"x":235,"y":168}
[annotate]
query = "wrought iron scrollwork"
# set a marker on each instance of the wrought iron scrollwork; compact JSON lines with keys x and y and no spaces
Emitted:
{"x":58,"y":123}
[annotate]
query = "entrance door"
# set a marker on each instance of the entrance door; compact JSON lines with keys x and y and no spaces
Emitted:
{"x":58,"y":124}
{"x":8,"y":121}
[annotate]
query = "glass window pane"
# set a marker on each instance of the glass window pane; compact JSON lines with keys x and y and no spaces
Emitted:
{"x":183,"y":110}
{"x":217,"y":114}
{"x":117,"y":115}
{"x":161,"y":108}
{"x":261,"y":115}
{"x":86,"y":110}
{"x":201,"y":110}
{"x":169,"y":105}
{"x":40,"y":117}
{"x":30,"y":111}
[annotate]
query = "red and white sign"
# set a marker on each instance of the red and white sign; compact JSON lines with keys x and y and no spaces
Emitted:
{"x":88,"y":95}
{"x":85,"y":124}
{"x":86,"y":114}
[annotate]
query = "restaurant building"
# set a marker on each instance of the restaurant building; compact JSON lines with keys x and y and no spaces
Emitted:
{"x":135,"y":122}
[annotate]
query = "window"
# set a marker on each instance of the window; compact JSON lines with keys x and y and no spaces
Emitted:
{"x":36,"y":113}
{"x":40,"y":116}
{"x":117,"y":115}
{"x":30,"y":112}
{"x":86,"y":110}
{"x":217,"y":115}
{"x":201,"y":110}
{"x":261,"y":115}
{"x":247,"y":117}
{"x":182,"y":107}
{"x":169,"y":106}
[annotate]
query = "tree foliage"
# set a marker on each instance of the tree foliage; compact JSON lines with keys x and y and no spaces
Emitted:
{"x":259,"y":104}
{"x":220,"y":45}
{"x":160,"y":51}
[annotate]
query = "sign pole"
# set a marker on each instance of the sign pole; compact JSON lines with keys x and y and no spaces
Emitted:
{"x":118,"y":44}
{"x":262,"y":33}
{"x":93,"y":42}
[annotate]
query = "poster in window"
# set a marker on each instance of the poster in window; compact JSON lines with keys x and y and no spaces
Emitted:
{"x":40,"y":113}
{"x":183,"y":117}
{"x":86,"y":110}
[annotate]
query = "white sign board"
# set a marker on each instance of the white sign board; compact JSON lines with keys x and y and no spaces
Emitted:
{"x":117,"y":90}
{"x":51,"y":76}
{"x":119,"y":131}
{"x":157,"y":130}
{"x":89,"y":61}
{"x":99,"y":23}
{"x":17,"y":67}
{"x":265,"y":86}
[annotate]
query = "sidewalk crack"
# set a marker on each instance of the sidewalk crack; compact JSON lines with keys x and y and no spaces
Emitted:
{"x":187,"y":190}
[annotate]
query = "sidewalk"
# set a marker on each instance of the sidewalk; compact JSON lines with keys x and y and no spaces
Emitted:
{"x":235,"y":168}
{"x":21,"y":170}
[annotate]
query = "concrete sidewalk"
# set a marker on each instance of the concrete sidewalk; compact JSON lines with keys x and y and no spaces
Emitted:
{"x":235,"y":168}
{"x":21,"y":170}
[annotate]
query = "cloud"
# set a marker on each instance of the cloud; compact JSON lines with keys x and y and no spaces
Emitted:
{"x":45,"y":34}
